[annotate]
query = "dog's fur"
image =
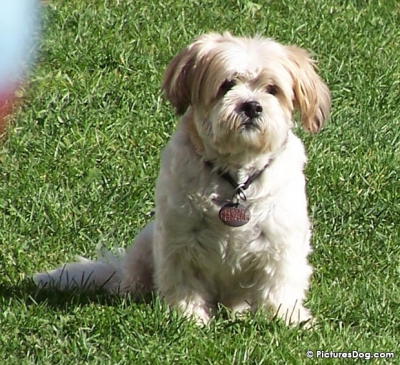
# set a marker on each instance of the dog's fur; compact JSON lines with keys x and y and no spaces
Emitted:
{"x":187,"y":255}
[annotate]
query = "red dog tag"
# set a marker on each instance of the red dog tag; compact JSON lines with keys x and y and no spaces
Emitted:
{"x":234,"y":214}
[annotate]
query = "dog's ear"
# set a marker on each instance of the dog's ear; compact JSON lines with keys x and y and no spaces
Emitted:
{"x":177,"y":80}
{"x":312,"y":96}
{"x":183,"y":76}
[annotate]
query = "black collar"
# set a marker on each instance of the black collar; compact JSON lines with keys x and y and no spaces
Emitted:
{"x":238,"y":193}
{"x":239,"y":188}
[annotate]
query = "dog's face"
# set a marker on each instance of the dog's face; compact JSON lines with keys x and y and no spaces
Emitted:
{"x":243,"y":92}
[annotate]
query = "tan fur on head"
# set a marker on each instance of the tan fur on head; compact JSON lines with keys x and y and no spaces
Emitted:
{"x":189,"y":68}
{"x":256,"y":70}
{"x":312,"y":96}
{"x":182,"y":71}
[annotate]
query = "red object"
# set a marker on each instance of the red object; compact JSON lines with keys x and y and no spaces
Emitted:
{"x":6,"y":104}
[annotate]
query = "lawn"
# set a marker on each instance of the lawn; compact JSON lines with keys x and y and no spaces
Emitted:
{"x":78,"y":169}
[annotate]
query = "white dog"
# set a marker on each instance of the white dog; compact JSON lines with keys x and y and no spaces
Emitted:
{"x":231,"y":222}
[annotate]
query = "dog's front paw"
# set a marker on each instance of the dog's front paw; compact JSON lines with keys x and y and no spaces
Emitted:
{"x":295,"y":316}
{"x":195,"y":311}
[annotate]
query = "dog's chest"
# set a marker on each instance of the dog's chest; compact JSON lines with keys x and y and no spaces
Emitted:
{"x":235,"y":248}
{"x":189,"y":199}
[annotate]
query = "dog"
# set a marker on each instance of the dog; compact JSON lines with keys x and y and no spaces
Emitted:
{"x":231,"y":225}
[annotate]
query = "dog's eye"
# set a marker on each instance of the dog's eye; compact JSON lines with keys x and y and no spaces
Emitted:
{"x":226,"y":86}
{"x":272,"y":89}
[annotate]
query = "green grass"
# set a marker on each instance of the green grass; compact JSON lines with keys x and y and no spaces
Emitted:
{"x":80,"y":163}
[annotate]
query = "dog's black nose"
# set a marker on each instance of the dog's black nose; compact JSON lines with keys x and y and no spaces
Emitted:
{"x":252,"y":109}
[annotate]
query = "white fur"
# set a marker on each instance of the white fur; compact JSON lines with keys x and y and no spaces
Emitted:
{"x":187,"y":254}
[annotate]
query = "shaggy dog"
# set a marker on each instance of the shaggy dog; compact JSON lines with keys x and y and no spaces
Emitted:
{"x":231,"y":223}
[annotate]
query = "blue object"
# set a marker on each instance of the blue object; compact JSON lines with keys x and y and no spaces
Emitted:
{"x":18,"y":31}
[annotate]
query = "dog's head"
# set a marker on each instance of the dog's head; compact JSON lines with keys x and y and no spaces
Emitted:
{"x":243,"y":91}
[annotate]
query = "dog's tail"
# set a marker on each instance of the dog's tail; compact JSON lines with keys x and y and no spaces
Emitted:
{"x":104,"y":273}
{"x":121,"y":272}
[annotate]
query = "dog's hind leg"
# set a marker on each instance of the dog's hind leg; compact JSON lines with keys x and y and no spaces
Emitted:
{"x":138,"y":267}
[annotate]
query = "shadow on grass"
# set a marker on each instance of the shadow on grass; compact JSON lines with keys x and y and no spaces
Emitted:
{"x":27,"y":292}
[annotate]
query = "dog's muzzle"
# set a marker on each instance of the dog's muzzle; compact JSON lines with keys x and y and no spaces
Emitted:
{"x":250,"y":111}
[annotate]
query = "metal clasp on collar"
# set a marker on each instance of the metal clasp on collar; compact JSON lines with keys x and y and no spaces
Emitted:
{"x":239,"y":194}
